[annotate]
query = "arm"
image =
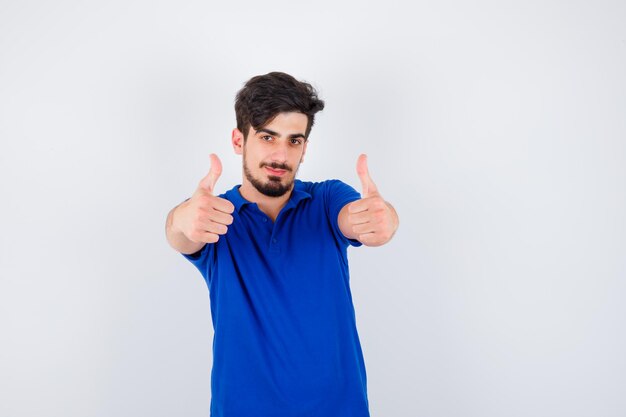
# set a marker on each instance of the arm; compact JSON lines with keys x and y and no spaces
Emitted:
{"x":176,"y":238}
{"x":202,"y":218}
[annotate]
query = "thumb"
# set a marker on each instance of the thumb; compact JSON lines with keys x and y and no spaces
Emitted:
{"x":208,"y":182}
{"x":368,"y":185}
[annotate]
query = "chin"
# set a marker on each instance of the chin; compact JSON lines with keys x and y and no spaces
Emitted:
{"x":275,"y":187}
{"x":270,"y":185}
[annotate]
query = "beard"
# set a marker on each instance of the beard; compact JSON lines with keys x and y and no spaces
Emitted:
{"x":274,"y":187}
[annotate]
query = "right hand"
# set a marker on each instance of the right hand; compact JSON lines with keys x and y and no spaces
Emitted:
{"x":204,"y":217}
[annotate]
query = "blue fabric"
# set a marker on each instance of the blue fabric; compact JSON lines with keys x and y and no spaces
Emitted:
{"x":285,"y":339}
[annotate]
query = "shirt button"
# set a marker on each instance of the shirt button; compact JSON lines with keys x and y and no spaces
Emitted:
{"x":274,"y":240}
{"x":264,"y":219}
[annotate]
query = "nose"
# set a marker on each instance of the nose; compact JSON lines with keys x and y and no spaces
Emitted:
{"x":279,"y":153}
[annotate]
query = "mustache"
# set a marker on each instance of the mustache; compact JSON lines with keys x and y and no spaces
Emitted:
{"x":275,"y":165}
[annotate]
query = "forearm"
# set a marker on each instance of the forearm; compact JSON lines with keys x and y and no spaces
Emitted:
{"x":176,"y":237}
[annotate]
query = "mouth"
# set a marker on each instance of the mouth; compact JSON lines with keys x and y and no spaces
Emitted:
{"x":275,"y":172}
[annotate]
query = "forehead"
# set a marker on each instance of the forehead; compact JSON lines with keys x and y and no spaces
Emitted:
{"x":287,"y":123}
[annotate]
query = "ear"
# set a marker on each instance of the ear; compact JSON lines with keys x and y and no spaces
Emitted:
{"x":237,"y":140}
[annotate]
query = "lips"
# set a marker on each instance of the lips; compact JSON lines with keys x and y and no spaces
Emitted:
{"x":276,"y":172}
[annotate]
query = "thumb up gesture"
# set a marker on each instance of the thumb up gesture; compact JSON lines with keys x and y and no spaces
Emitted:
{"x":204,"y":217}
{"x":372,"y":219}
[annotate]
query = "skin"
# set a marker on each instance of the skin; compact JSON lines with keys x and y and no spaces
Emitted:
{"x":371,"y":220}
{"x":271,"y":158}
{"x":281,"y":143}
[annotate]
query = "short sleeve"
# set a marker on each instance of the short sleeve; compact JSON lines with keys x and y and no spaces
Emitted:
{"x":338,"y":194}
{"x":200,"y":259}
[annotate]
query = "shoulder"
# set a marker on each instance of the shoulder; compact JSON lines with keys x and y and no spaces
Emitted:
{"x":321,"y":187}
{"x":234,"y":196}
{"x":332,"y":193}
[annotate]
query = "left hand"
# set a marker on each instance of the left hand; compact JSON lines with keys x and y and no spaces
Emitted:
{"x":373,"y":219}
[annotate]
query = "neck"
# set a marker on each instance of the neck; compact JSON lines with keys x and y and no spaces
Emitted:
{"x":268,"y":205}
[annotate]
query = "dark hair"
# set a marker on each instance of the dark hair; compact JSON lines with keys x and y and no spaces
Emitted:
{"x":264,"y":96}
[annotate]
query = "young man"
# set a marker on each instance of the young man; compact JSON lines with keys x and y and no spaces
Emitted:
{"x":273,"y":252}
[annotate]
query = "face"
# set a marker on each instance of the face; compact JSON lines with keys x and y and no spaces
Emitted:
{"x":273,"y":153}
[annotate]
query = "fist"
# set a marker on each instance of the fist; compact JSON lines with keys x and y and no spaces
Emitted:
{"x":204,"y":217}
{"x":371,"y":218}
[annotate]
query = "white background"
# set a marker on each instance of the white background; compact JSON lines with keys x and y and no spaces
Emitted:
{"x":497,"y":130}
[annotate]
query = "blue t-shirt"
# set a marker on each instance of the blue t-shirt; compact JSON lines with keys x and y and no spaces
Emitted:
{"x":285,"y":339}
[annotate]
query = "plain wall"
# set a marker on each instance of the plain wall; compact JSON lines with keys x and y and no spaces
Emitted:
{"x":497,"y":130}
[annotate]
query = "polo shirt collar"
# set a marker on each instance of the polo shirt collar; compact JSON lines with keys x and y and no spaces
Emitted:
{"x":298,"y":194}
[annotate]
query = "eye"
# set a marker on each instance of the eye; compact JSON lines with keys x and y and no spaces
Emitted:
{"x":266,"y":137}
{"x":296,"y":141}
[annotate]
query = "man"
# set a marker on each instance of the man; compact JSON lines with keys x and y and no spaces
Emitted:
{"x":273,"y":252}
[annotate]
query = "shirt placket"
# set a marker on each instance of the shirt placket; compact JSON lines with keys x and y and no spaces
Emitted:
{"x":272,"y":231}
{"x":275,"y":241}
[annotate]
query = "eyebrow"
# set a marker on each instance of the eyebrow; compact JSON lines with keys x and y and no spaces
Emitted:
{"x":271,"y":132}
